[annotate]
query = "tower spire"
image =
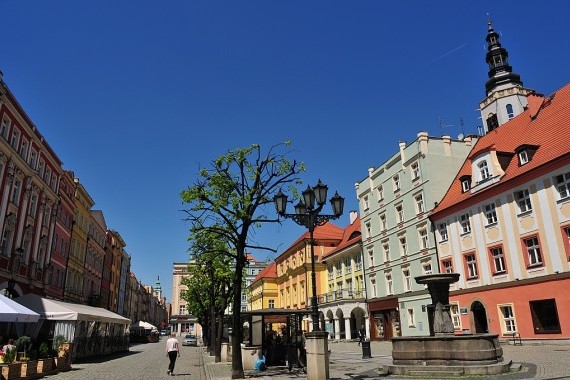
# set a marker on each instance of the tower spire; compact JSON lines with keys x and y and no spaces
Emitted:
{"x":497,"y":57}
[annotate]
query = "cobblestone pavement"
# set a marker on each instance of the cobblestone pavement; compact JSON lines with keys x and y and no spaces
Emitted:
{"x":142,"y":361}
{"x":539,"y":361}
{"x":148,"y":361}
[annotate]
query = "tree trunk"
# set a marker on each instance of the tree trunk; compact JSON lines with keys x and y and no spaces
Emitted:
{"x":237,"y":367}
{"x":213,"y":324}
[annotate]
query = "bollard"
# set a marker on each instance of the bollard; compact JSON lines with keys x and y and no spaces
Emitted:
{"x":366,"y":353}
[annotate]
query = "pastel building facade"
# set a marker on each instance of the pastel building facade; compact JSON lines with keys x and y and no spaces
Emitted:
{"x":397,"y":236}
{"x":344,"y":304}
{"x":294,"y":270}
{"x":504,"y":224}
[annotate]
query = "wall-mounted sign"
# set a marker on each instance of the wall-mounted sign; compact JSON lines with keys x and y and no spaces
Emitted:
{"x":463,"y":310}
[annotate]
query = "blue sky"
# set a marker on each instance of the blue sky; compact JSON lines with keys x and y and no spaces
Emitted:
{"x":135,"y":96}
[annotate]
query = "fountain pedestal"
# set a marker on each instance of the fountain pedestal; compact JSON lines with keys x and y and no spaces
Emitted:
{"x":443,"y":351}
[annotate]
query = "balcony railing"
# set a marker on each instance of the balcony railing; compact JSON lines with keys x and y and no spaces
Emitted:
{"x":341,"y":295}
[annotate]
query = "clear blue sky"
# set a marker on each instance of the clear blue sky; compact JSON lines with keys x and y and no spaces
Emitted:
{"x":135,"y":95}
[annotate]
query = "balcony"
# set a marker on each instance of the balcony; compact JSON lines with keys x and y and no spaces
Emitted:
{"x":341,"y":295}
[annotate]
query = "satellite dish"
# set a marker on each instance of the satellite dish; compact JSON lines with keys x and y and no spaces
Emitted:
{"x":460,"y":137}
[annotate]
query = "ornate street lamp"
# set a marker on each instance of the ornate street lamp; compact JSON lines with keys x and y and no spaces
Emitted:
{"x":307,"y":215}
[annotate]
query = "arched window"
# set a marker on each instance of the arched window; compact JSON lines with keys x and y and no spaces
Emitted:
{"x":510,"y":112}
{"x":492,"y":122}
{"x":483,"y":171}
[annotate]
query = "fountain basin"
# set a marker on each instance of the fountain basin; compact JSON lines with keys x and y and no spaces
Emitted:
{"x":447,"y":350}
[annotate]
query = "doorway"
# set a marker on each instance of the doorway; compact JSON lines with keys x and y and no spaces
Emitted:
{"x":479,"y":318}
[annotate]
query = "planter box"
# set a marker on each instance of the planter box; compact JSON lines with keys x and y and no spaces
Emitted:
{"x":11,"y":371}
{"x":45,"y":365}
{"x":29,"y":368}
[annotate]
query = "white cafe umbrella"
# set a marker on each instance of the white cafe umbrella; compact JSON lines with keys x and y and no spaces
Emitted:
{"x":11,"y":311}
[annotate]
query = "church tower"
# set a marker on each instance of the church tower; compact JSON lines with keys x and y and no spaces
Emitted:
{"x":158,"y":288}
{"x":506,"y":96}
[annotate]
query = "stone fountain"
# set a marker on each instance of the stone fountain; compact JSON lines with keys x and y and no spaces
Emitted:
{"x":444,"y":352}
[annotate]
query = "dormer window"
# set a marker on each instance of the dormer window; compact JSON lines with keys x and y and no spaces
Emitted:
{"x":523,"y":157}
{"x":525,"y":153}
{"x":465,"y":183}
{"x":484,"y":173}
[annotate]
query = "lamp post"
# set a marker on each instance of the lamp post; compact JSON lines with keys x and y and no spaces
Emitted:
{"x":307,"y":214}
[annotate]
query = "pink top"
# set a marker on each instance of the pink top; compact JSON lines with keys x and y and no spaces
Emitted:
{"x":172,"y":344}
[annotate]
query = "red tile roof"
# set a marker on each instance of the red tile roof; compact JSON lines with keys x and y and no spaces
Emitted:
{"x":269,"y":271}
{"x":545,"y":123}
{"x":351,"y":235}
{"x":251,"y":259}
{"x":328,"y":231}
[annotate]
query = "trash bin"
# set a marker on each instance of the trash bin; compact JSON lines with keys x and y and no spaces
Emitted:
{"x":366,"y":354}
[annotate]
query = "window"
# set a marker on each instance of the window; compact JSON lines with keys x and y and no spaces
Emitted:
{"x":471,"y":264}
{"x":426,"y":267}
{"x":407,"y":279}
{"x":373,"y":286}
{"x":366,"y":205}
{"x":15,"y":139}
{"x":389,"y":284}
{"x":371,"y":257}
{"x":403,"y":246}
{"x":24,"y":149}
{"x":563,"y":185}
{"x":386,"y":248}
{"x":338,"y":269}
{"x":42,"y":168}
{"x":523,"y":157}
{"x":33,"y":159}
{"x":510,"y":112}
{"x":498,"y":259}
{"x":411,"y":320}
{"x":442,"y":228}
{"x":507,"y":319}
{"x":545,"y":316}
{"x":446,"y":266}
{"x":5,"y":127}
{"x":16,"y":191}
{"x":420,"y":204}
{"x":348,"y":265}
{"x":483,"y":171}
{"x":33,"y":205}
{"x":368,"y":233}
{"x":490,"y":214}
{"x":383,"y":223}
{"x":358,"y":262}
{"x":182,"y":309}
{"x":465,"y":185}
{"x":396,"y":182}
{"x":465,"y":225}
{"x":331,"y":272}
{"x":423,"y":235}
{"x":455,"y":316}
{"x":533,"y":258}
{"x":243,"y":297}
{"x":271,"y":304}
{"x":400,"y":213}
{"x":523,"y":201}
{"x":380,"y":191}
{"x":415,"y":171}
{"x":492,"y":122}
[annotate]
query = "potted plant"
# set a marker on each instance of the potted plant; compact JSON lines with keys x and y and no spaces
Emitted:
{"x":63,"y":347}
{"x":22,"y":345}
{"x":10,"y":369}
{"x":45,"y":362}
{"x":28,"y":367}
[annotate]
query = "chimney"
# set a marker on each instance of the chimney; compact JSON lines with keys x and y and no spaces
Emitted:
{"x":423,"y":141}
{"x":353,"y":215}
{"x":402,"y":155}
{"x":446,"y":145}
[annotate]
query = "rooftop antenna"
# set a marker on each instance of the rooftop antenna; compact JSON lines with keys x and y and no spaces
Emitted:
{"x":442,"y":125}
{"x":462,"y":123}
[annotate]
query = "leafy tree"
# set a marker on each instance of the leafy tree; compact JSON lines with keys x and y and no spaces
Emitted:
{"x":228,"y":200}
{"x":209,"y":286}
